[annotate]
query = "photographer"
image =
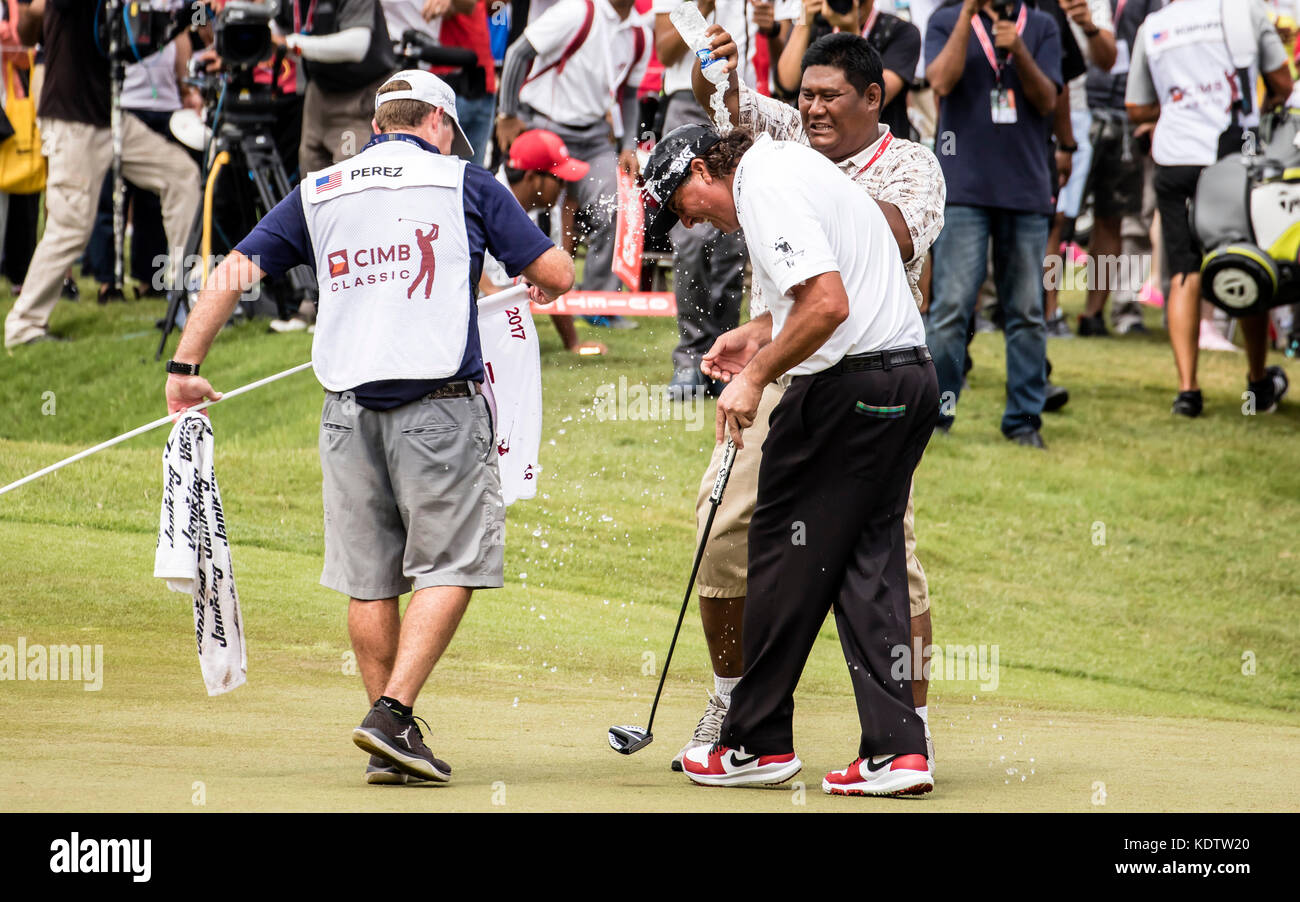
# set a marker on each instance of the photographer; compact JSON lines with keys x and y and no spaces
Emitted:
{"x":347,"y":54}
{"x":897,"y":42}
{"x":1186,"y":80}
{"x":996,"y":64}
{"x":74,"y":117}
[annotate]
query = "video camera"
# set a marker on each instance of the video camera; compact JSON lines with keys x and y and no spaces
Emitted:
{"x":1004,"y":8}
{"x":243,"y":32}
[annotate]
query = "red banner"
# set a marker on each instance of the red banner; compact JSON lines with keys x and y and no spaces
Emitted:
{"x":629,"y":235}
{"x":612,"y":303}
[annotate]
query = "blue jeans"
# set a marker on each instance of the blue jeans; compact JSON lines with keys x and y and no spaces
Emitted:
{"x":960,"y":264}
{"x":476,"y":120}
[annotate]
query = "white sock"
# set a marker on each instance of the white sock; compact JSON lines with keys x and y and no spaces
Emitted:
{"x":722,"y":687}
{"x":922,"y":713}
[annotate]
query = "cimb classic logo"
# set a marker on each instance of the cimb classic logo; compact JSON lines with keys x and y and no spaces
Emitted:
{"x":102,"y":856}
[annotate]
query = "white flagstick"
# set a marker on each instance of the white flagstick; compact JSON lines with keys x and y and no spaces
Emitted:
{"x":161,"y":421}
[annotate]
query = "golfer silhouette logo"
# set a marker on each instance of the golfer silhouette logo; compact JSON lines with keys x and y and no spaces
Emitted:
{"x":424,"y":240}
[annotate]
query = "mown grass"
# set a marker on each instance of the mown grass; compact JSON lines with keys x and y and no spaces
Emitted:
{"x":1128,"y":571}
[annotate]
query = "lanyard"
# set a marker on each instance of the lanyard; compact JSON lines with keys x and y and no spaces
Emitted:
{"x":1119,"y":11}
{"x":297,"y":21}
{"x":871,"y":21}
{"x":884,"y":144}
{"x":978,"y":25}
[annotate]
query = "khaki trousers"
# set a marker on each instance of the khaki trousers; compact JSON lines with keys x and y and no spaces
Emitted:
{"x":79,"y":155}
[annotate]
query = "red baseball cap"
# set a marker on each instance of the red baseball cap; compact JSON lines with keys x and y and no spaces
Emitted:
{"x":538,"y":150}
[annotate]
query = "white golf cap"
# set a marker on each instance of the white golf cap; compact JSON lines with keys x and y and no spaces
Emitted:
{"x":429,"y":88}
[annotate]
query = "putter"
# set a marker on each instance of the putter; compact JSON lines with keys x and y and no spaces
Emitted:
{"x":625,"y":740}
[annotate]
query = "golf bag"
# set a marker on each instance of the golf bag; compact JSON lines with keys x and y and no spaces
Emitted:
{"x":1247,"y":218}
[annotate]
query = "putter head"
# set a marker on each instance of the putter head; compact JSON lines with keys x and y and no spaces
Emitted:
{"x":626,"y":740}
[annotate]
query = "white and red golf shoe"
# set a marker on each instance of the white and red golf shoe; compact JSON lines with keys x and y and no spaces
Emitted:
{"x":881,"y":775}
{"x":717,"y":765}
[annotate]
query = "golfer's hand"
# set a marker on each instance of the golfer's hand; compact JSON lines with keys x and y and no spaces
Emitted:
{"x":184,"y":392}
{"x":737,"y":407}
{"x":537,"y":296}
{"x":723,"y":47}
{"x":628,"y":162}
{"x":729,"y":355}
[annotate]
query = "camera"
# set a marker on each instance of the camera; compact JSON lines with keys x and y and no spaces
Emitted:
{"x":842,"y":7}
{"x":141,"y":27}
{"x":243,"y":33}
{"x":1004,"y":8}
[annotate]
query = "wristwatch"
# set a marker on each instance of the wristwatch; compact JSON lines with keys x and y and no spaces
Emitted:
{"x":182,"y":369}
{"x":1071,"y":149}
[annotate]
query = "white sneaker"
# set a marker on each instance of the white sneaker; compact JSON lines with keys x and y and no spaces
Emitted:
{"x":1211,"y":339}
{"x":929,"y":749}
{"x":881,"y":775}
{"x":293,"y":324}
{"x":707,"y":731}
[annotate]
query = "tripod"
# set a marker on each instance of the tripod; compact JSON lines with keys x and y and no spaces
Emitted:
{"x":242,"y":143}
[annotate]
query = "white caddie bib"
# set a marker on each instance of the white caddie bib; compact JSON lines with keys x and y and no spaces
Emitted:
{"x":392,"y":261}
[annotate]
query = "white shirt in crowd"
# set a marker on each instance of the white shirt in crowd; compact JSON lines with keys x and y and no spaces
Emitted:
{"x":1101,"y":17}
{"x":799,"y":222}
{"x":585,"y":90}
{"x":1181,"y":60}
{"x":732,"y":16}
{"x":151,"y":83}
{"x":403,"y":14}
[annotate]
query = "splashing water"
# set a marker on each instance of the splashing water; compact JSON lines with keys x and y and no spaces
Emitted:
{"x":718,"y":103}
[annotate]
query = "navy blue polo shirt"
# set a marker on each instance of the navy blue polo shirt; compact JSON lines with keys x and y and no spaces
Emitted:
{"x":988,"y":165}
{"x":493,"y":220}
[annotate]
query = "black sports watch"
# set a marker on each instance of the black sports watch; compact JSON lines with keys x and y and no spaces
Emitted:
{"x":182,"y":369}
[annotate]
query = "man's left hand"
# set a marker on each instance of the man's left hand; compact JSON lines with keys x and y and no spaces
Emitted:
{"x":737,"y":408}
{"x":184,"y":392}
{"x":628,"y":162}
{"x":1005,"y":36}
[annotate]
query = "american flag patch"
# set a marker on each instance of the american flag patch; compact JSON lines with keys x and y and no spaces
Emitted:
{"x":328,"y":182}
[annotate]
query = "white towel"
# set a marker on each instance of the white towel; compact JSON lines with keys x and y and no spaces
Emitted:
{"x":514,"y":369}
{"x":194,"y":555}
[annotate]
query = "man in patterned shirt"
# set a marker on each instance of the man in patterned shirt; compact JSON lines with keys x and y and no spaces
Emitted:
{"x":840,"y":99}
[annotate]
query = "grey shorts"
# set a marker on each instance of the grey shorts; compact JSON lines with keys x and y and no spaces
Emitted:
{"x":412,"y":497}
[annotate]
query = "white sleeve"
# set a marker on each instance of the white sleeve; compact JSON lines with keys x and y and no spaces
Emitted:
{"x":347,"y":46}
{"x":552,"y":31}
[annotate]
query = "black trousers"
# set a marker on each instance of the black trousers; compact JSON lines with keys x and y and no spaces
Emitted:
{"x":827,"y":533}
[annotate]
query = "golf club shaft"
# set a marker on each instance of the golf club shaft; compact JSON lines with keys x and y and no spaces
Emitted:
{"x":724,"y":473}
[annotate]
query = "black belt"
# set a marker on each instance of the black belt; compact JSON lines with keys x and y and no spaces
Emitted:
{"x":879,"y":360}
{"x":459,"y":389}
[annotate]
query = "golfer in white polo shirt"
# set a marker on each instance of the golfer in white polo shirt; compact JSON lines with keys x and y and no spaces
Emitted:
{"x":827,"y":530}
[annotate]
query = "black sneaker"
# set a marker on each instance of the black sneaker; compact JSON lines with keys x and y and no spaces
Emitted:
{"x":1029,"y":437}
{"x":1269,"y":390}
{"x":398,"y":741}
{"x":380,"y":773}
{"x":1092,"y":326}
{"x":1188,"y":403}
{"x":70,"y":290}
{"x":1055,"y":398}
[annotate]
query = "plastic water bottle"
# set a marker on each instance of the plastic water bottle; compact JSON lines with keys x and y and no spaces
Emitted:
{"x":691,"y":26}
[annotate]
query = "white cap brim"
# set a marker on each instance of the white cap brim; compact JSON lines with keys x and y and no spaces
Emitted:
{"x":429,"y":88}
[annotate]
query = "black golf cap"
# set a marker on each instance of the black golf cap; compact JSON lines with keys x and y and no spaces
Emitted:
{"x":668,"y":167}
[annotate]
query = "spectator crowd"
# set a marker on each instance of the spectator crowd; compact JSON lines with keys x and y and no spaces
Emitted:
{"x":1068,"y":135}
